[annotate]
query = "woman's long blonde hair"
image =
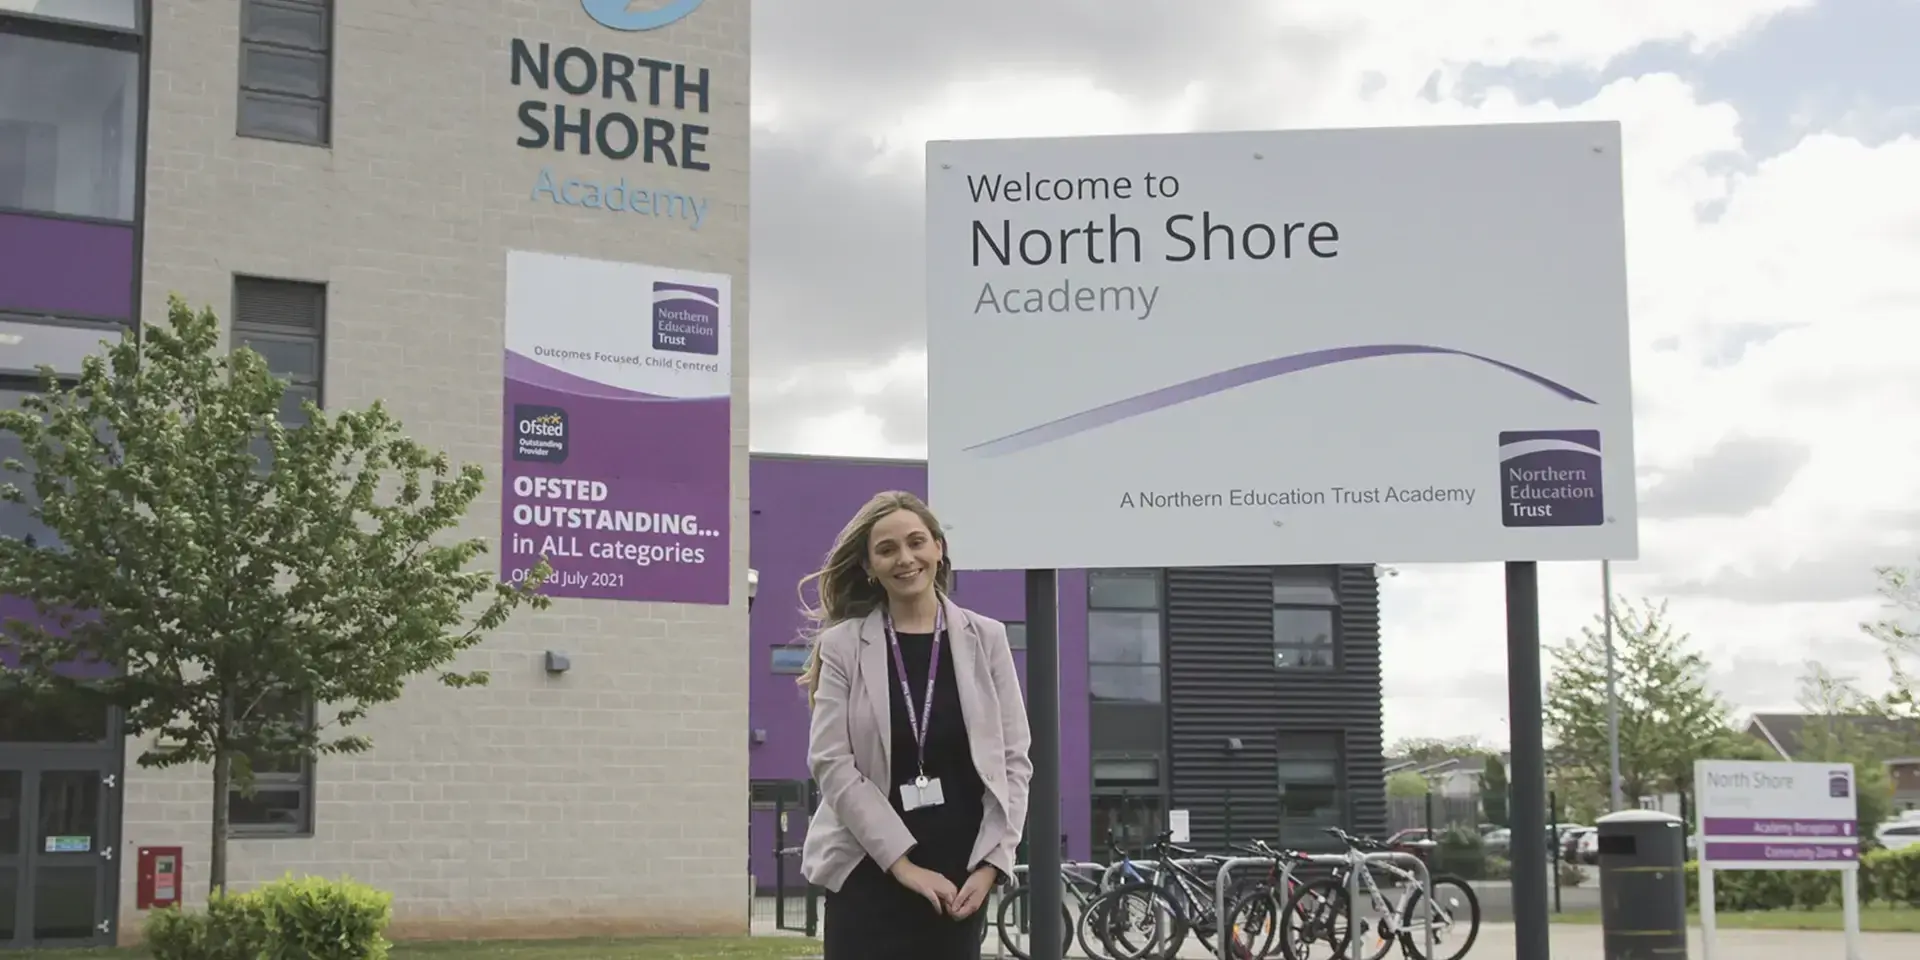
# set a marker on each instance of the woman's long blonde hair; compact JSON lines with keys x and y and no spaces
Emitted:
{"x":844,"y":588}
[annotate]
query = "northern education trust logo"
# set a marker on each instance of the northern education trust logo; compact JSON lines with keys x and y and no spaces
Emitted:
{"x":1551,"y":478}
{"x":686,"y":318}
{"x":620,"y":15}
{"x":539,"y":433}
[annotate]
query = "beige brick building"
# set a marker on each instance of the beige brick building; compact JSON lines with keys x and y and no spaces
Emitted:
{"x":362,"y":170}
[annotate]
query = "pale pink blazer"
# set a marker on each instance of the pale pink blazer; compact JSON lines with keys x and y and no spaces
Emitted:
{"x":850,"y":749}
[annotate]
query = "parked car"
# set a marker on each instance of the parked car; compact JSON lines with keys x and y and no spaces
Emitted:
{"x":1497,"y":841}
{"x":1569,"y":846}
{"x":1587,"y":849}
{"x":1899,"y":834}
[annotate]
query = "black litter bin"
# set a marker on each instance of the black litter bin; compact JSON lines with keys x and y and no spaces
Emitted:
{"x":1643,"y":885}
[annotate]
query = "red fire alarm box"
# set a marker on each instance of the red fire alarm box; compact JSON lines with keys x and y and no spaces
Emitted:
{"x":160,"y":880}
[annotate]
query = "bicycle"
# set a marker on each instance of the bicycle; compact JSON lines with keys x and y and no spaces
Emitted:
{"x":1178,"y":897}
{"x":1326,"y":902}
{"x":1253,"y":919}
{"x":1079,"y":892}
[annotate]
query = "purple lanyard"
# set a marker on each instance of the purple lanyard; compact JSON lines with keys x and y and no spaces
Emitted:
{"x":919,"y":722}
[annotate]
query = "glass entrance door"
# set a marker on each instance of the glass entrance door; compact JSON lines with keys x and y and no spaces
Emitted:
{"x":70,"y":849}
{"x":13,"y":830}
{"x":56,"y":853}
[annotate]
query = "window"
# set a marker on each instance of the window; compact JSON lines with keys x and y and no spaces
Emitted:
{"x":790,"y":659}
{"x":17,"y":520}
{"x":1124,"y":635}
{"x":282,"y":800}
{"x":1016,"y":634}
{"x":285,"y":322}
{"x":69,"y":120}
{"x":286,"y":70}
{"x":1311,"y":791}
{"x":115,"y":14}
{"x":1305,"y":618}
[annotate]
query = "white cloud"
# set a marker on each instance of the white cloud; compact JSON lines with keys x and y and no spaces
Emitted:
{"x":1771,"y":297}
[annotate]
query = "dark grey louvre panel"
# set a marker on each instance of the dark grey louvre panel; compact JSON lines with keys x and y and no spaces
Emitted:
{"x":279,"y":303}
{"x":1222,"y":683}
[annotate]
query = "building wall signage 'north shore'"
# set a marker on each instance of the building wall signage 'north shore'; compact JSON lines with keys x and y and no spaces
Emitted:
{"x":1285,"y":347}
{"x":618,"y":429}
{"x":614,"y":118}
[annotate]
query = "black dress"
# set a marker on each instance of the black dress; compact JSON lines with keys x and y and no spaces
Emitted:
{"x":875,"y":917}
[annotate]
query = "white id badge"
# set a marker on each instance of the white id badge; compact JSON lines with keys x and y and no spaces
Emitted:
{"x":922,"y":793}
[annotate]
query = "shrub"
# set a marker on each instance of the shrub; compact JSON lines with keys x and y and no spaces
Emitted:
{"x":1571,"y":874}
{"x":309,"y":918}
{"x":1891,"y":877}
{"x":1497,"y":868}
{"x":1460,"y":851}
{"x":313,"y":918}
{"x":233,"y":927}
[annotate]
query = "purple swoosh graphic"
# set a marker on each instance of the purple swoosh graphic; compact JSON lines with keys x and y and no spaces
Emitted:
{"x":525,"y":369}
{"x":1213,"y":383}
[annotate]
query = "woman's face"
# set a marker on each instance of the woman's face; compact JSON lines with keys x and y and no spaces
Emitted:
{"x":903,"y":555}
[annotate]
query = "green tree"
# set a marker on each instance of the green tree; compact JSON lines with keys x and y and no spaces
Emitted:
{"x":1434,"y":749}
{"x":1844,"y":725}
{"x":238,"y":576}
{"x":1899,"y":637}
{"x":1668,"y":716}
{"x":1493,"y":791}
{"x":1407,"y":785}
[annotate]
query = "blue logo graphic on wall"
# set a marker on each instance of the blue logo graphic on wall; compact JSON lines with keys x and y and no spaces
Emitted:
{"x":1551,"y":478}
{"x":615,"y":15}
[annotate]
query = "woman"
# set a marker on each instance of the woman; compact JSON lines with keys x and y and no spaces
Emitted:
{"x":919,"y":744}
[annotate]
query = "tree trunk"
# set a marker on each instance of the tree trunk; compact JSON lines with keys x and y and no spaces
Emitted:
{"x":217,"y":859}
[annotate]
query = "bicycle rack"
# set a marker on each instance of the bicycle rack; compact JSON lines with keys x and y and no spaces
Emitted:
{"x":1019,"y":879}
{"x":1353,"y":891}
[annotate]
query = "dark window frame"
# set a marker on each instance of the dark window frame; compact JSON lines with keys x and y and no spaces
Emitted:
{"x":1307,"y":589}
{"x":1158,"y":610}
{"x":102,"y":37}
{"x":303,"y":781}
{"x":253,"y":91}
{"x":299,"y":782}
{"x":1301,"y":745}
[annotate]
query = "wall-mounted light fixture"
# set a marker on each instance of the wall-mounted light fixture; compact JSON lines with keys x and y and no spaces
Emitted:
{"x":753,"y":586}
{"x":558,"y":662}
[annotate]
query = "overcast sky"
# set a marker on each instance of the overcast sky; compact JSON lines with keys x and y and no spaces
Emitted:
{"x":1771,"y":150}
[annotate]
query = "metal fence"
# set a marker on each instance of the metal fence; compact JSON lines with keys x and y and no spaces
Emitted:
{"x":1433,"y":813}
{"x":778,"y":815}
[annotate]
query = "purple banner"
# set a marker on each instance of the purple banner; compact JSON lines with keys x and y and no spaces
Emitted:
{"x":1778,"y":827}
{"x":1835,"y":853}
{"x":618,"y":430}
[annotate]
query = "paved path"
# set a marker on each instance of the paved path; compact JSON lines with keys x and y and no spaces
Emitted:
{"x":1583,"y":942}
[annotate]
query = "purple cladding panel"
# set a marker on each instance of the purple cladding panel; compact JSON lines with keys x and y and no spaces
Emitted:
{"x":799,"y":506}
{"x":65,"y":268}
{"x":20,"y":608}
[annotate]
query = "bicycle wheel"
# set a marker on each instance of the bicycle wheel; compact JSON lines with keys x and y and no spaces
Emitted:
{"x":1315,"y":914}
{"x":1138,"y":921}
{"x":1456,"y":920}
{"x":1087,"y":928}
{"x":1016,"y":928}
{"x":1253,"y":924}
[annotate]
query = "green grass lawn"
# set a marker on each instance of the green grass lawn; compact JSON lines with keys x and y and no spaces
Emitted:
{"x":1876,"y":919}
{"x":724,"y":948}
